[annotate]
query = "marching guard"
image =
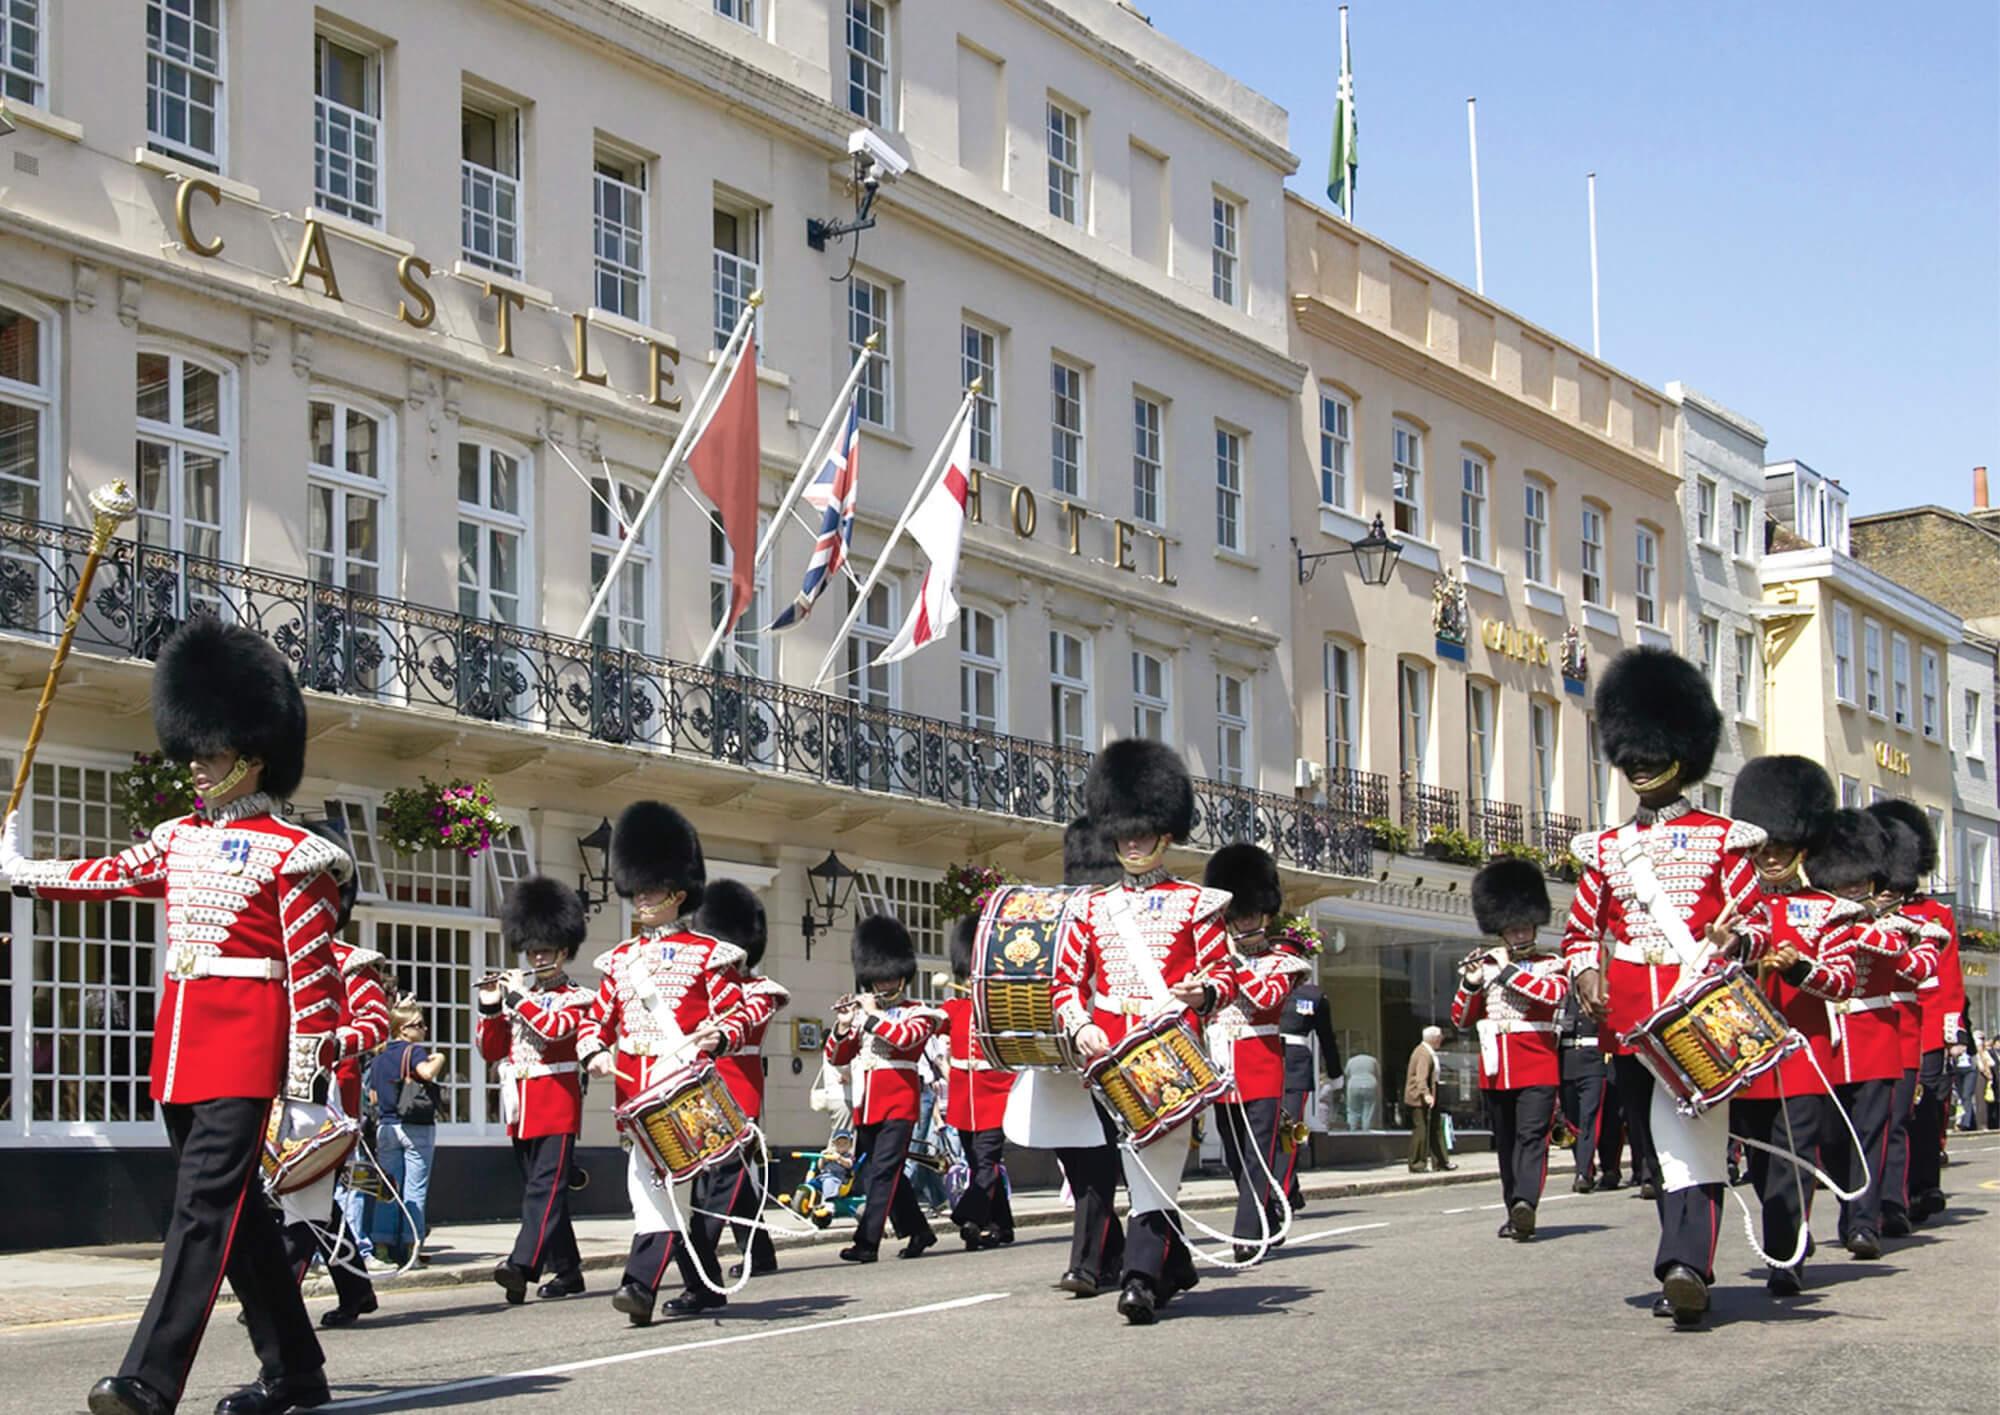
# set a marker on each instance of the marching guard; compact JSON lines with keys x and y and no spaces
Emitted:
{"x":730,"y":911}
{"x":1305,"y":1018}
{"x":669,"y":997}
{"x":883,"y":1033}
{"x":249,"y":1010}
{"x":1583,"y":1089}
{"x":1510,"y":995}
{"x":1916,"y":963}
{"x":1658,"y":896}
{"x":1147,"y":947}
{"x":1807,"y":969}
{"x":528,"y":1023}
{"x":1243,"y":1036}
{"x":975,"y":1106}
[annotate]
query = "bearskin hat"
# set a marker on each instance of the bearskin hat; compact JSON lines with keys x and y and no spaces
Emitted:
{"x":1509,"y":894}
{"x":961,"y":945}
{"x":1903,"y":854}
{"x":653,"y":846}
{"x":540,"y":913}
{"x":732,"y":912}
{"x":1088,"y":856}
{"x":1911,"y":815}
{"x":350,"y":887}
{"x":1855,"y":851}
{"x":1654,"y":707}
{"x":220,"y":687}
{"x":1792,"y":798}
{"x":1250,"y":875}
{"x":1136,"y":788}
{"x":883,"y":953}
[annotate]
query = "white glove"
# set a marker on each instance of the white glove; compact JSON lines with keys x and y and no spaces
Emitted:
{"x":10,"y":845}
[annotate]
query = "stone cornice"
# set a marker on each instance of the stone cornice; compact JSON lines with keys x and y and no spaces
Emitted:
{"x":1325,"y":320}
{"x":1857,"y":581}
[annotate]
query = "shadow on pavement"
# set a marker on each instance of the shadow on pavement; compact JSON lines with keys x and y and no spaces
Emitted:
{"x":776,"y":1309}
{"x":1238,"y":1298}
{"x":1549,"y":1231}
{"x":381,"y":1397}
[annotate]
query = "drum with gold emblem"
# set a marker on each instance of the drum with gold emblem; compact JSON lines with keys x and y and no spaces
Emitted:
{"x":1709,"y":1039}
{"x":1013,"y":969}
{"x":686,"y":1122}
{"x":1155,"y":1077}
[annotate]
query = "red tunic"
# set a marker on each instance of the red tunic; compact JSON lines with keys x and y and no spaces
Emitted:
{"x":1874,"y":1038}
{"x":1942,"y":996}
{"x":533,"y":1038}
{"x":743,"y":1069}
{"x":1703,"y":863}
{"x":1515,"y":1018}
{"x":977,"y":1097}
{"x":689,"y":977}
{"x":1243,"y":1035}
{"x":367,"y":1018}
{"x":1822,"y":927}
{"x":1180,"y":926}
{"x":1918,"y":967}
{"x":248,"y":893}
{"x":886,"y":1050}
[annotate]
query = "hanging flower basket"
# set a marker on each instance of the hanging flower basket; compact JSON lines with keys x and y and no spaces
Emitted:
{"x":154,"y":790}
{"x":458,"y":815}
{"x":1300,"y":933}
{"x":964,"y":888}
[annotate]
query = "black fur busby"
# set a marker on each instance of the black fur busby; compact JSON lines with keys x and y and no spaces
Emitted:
{"x":1250,"y":875}
{"x":220,"y":687}
{"x":541,"y":913}
{"x":1855,"y":851}
{"x":1903,"y":854}
{"x":883,"y":953}
{"x":1911,"y":815}
{"x":732,"y":912}
{"x":1791,"y":798}
{"x":653,"y":846}
{"x":350,"y":888}
{"x":1510,"y":894}
{"x":1136,"y":788}
{"x":1088,"y":856}
{"x":961,"y":945}
{"x":1654,"y":707}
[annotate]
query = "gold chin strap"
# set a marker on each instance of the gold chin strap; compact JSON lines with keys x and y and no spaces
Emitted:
{"x":230,"y":782}
{"x":1665,"y":778}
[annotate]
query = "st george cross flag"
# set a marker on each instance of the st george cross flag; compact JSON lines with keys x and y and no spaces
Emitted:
{"x":939,"y":527}
{"x":724,"y":463}
{"x":832,"y":490}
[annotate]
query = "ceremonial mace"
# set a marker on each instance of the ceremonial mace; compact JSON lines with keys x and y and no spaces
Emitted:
{"x":111,"y":506}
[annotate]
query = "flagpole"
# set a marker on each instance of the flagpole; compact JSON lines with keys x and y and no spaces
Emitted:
{"x":827,"y":432}
{"x":697,"y":419}
{"x":923,"y":486}
{"x":1590,"y":182}
{"x":1478,"y":248}
{"x":1347,"y":119}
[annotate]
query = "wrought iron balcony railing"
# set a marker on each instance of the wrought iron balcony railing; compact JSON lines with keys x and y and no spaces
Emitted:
{"x":1427,"y":808}
{"x":1495,"y":823}
{"x":1551,"y":833}
{"x":1363,"y":795}
{"x":390,"y":651}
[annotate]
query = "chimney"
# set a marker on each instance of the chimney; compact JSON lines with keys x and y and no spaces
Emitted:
{"x":1979,"y":488}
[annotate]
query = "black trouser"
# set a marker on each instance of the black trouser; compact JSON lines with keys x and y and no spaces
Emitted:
{"x":1869,"y":1105}
{"x":646,"y":1261}
{"x":1154,"y":1249}
{"x":1295,"y":1112}
{"x":1252,"y":1164}
{"x":1896,"y":1162}
{"x":1635,"y":1098}
{"x":1611,"y":1128}
{"x":1798,"y":1124}
{"x":1583,"y":1107}
{"x":350,"y":1280}
{"x":746,"y":1217}
{"x":887,"y":1146}
{"x":984,"y":1204}
{"x":1927,"y":1123}
{"x":1520,"y":1120}
{"x":547,"y":1240}
{"x":220,"y":1224}
{"x":1097,"y":1238}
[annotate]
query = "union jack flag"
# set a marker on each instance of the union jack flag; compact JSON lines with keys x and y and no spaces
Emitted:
{"x":832,"y":492}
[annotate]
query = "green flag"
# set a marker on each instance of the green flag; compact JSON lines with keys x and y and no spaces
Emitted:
{"x":1343,"y":166}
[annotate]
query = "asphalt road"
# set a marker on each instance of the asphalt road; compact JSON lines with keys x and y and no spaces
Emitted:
{"x":1402,"y":1302}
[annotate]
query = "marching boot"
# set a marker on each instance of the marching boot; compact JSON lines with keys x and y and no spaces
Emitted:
{"x":345,"y":1316}
{"x":855,"y":1253}
{"x":635,"y":1302}
{"x":924,"y":1241}
{"x":1784,"y":1282}
{"x":1863,"y":1243}
{"x":1506,"y":1230}
{"x":1078,"y":1283}
{"x":1135,"y":1303}
{"x":126,"y":1395}
{"x":1895,"y":1223}
{"x":277,"y":1397}
{"x":692,"y":1303}
{"x":1521,"y":1218}
{"x":1687,"y":1293}
{"x":1662,"y":1307}
{"x":513,"y":1281}
{"x":571,"y":1286}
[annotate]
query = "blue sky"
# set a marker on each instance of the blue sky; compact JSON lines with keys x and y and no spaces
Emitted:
{"x":1798,"y":201}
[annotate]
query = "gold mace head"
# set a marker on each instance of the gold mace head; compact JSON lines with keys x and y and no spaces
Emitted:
{"x":114,"y":503}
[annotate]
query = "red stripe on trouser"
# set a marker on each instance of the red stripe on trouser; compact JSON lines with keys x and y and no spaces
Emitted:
{"x":542,"y":1233}
{"x":1714,"y":1233}
{"x":665,"y":1257}
{"x":221,"y":1273}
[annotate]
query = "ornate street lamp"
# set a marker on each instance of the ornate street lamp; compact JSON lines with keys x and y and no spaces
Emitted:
{"x":595,"y":848}
{"x":1375,"y":554}
{"x":829,"y":886}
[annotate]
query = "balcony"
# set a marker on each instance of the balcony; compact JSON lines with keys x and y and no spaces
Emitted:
{"x":1363,"y":795}
{"x":490,"y":218}
{"x":1495,"y":823}
{"x":1427,"y":808}
{"x":1551,"y":833}
{"x":434,"y":662}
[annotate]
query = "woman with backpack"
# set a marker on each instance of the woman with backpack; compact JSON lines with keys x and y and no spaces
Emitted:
{"x":402,"y":1086}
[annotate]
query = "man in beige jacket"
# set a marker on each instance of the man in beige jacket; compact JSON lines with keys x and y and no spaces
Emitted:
{"x":1420,"y":1088}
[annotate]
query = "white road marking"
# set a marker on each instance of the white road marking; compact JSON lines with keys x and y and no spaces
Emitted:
{"x":1336,"y":1232}
{"x":417,"y":1393}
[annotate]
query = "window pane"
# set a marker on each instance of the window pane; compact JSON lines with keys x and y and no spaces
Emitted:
{"x":468,"y":474}
{"x":201,"y":399}
{"x":506,"y":484}
{"x":155,"y":387}
{"x":20,"y":347}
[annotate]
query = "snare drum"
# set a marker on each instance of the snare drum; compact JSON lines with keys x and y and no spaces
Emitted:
{"x":1707,"y":1041}
{"x":1013,"y":971}
{"x":303,"y":1144}
{"x":686,"y":1122}
{"x":1155,"y":1078}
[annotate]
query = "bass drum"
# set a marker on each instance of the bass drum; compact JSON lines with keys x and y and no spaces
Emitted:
{"x":1013,"y":973}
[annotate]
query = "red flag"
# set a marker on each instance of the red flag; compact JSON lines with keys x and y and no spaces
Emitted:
{"x":724,"y":461}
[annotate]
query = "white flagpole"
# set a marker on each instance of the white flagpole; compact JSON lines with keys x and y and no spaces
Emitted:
{"x":697,"y":419}
{"x":923,"y":486}
{"x":1347,"y":118}
{"x":1590,"y":182}
{"x":1478,"y":249}
{"x":828,"y":430}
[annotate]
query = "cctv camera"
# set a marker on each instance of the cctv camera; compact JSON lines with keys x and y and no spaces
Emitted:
{"x":888,"y":163}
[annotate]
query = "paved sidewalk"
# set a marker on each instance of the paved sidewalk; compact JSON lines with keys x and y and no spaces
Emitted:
{"x":82,"y":1284}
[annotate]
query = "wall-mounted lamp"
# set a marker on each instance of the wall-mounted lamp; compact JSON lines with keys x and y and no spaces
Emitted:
{"x":829,"y":886}
{"x":595,"y":848}
{"x":1375,"y":553}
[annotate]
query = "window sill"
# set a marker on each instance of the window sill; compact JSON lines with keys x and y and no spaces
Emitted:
{"x":462,"y":269}
{"x":1545,"y":599}
{"x":1601,"y":619}
{"x":1237,"y":557}
{"x":360,"y":232}
{"x":1747,"y":562}
{"x":888,"y":435}
{"x":1744,"y":719}
{"x":187,"y":172}
{"x":777,"y":378}
{"x":29,"y":116}
{"x":1653,"y":636}
{"x":1336,"y":521}
{"x":1481,"y":576}
{"x":1419,"y":553}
